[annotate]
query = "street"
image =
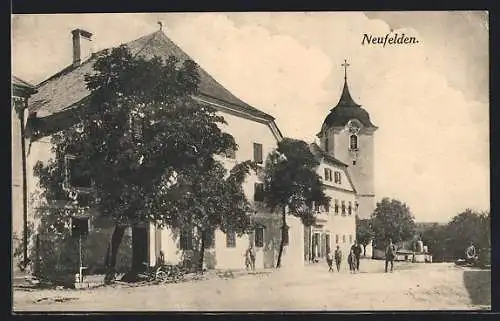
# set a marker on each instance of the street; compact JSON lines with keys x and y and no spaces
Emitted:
{"x":434,"y":286}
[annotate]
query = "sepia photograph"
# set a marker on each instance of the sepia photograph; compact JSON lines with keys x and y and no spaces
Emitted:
{"x":250,"y":161}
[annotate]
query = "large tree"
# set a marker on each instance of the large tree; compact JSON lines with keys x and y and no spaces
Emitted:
{"x":392,"y":219}
{"x":292,"y":185}
{"x":139,"y":129}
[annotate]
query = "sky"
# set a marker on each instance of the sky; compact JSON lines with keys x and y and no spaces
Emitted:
{"x":430,"y":100}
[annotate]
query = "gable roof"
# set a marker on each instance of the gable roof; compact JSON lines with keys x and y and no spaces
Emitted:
{"x":66,"y":88}
{"x":22,"y":87}
{"x":319,"y":152}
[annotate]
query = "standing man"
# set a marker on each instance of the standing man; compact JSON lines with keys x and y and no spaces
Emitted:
{"x":356,"y":250}
{"x":338,"y":258}
{"x":250,"y":258}
{"x":329,"y":261}
{"x":390,"y":252}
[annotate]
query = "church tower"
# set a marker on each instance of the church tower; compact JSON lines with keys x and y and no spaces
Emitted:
{"x":347,"y":134}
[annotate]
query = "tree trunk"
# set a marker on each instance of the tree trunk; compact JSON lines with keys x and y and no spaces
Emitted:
{"x":364,"y":250}
{"x":282,"y":243}
{"x":112,"y":251}
{"x":202,"y":252}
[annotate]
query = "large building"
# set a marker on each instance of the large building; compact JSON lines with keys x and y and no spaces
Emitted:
{"x":345,"y":153}
{"x":56,"y":105}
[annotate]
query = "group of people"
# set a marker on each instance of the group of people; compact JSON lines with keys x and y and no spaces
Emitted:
{"x":352,"y":259}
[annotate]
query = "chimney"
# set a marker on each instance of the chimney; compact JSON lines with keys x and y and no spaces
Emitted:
{"x":82,"y":46}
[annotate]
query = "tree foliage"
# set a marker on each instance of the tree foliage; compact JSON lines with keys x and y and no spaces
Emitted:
{"x":149,"y":147}
{"x":448,"y":242}
{"x":364,"y":232}
{"x":392,"y":219}
{"x":291,"y":183}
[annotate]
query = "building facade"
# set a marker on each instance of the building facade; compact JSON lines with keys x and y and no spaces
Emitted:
{"x":335,"y":225}
{"x":60,"y":98}
{"x":348,"y":135}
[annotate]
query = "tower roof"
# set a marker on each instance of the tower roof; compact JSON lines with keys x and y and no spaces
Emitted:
{"x":347,"y":109}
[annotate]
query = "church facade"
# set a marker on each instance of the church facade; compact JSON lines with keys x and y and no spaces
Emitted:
{"x":346,"y":149}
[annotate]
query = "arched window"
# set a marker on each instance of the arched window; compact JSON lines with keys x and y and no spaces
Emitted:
{"x":353,"y":142}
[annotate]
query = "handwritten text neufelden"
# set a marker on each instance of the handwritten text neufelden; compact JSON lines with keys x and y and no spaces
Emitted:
{"x":388,"y":39}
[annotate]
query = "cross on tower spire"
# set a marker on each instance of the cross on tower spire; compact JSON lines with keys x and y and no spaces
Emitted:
{"x":345,"y":65}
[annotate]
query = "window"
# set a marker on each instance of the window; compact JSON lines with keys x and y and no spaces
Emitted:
{"x":343,"y":238}
{"x":186,"y":239}
{"x":349,"y":208}
{"x":230,"y":239}
{"x":230,"y":153}
{"x":76,"y":174}
{"x":336,"y":206}
{"x":209,"y":239}
{"x":285,"y":236}
{"x":316,"y":208}
{"x":258,"y":195}
{"x":338,"y":177}
{"x":337,"y":239}
{"x":343,"y":207}
{"x":350,"y":238}
{"x":328,"y":174}
{"x":259,"y":236}
{"x":257,"y":153}
{"x":353,"y":142}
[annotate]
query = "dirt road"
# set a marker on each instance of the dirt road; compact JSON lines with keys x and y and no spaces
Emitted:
{"x":411,"y":287}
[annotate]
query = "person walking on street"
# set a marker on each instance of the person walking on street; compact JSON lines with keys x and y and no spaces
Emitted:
{"x":250,"y":258}
{"x":351,"y":261}
{"x":329,"y":261}
{"x":338,"y":258}
{"x":357,"y":250}
{"x":390,"y":252}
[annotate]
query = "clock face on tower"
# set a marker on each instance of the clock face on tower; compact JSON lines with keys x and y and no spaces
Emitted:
{"x":353,"y":126}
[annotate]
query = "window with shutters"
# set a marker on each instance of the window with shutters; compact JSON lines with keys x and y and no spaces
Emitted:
{"x":343,"y":208}
{"x":258,"y":195}
{"x":338,"y":177}
{"x":349,"y":208}
{"x":259,"y":236}
{"x":336,"y":206}
{"x":209,"y":239}
{"x":257,"y":153}
{"x":230,"y":239}
{"x":186,"y":239}
{"x":337,"y":239}
{"x":77,"y":176}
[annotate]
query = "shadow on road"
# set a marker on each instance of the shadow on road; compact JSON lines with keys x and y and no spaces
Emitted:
{"x":478,"y":285}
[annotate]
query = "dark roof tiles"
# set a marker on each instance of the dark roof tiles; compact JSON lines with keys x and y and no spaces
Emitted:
{"x":68,"y":87}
